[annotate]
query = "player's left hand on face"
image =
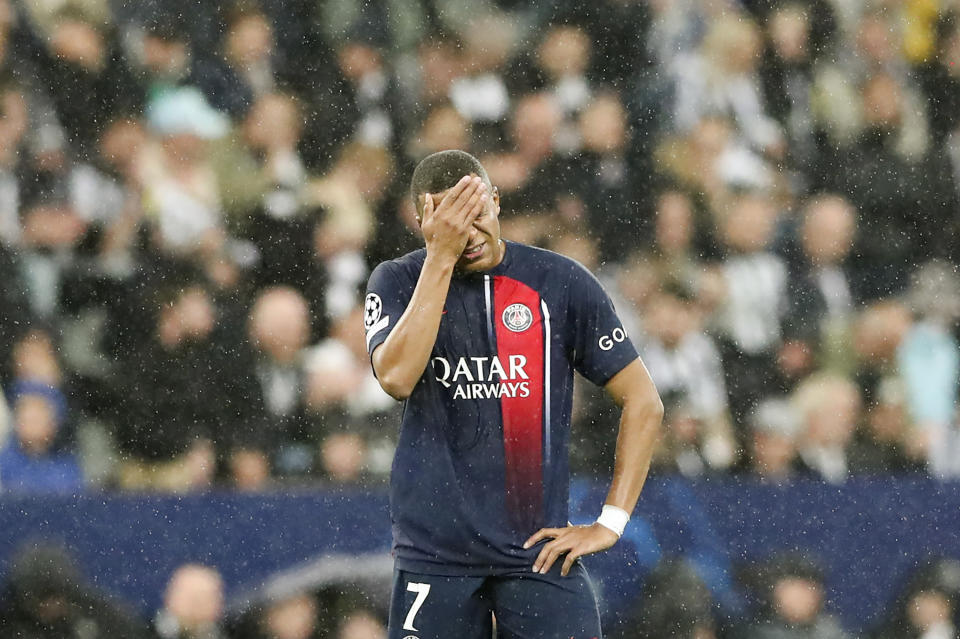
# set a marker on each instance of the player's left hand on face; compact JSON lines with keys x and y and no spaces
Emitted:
{"x":573,"y":541}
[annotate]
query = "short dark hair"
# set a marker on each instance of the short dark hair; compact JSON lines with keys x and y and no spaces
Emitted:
{"x":439,"y":171}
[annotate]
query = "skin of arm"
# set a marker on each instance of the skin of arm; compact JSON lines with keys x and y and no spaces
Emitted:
{"x":642,"y":411}
{"x":401,"y":359}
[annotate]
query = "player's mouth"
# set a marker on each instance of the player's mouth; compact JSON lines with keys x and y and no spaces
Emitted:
{"x":473,"y":252}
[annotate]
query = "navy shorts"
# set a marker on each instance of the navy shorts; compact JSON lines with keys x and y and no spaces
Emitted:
{"x":527,"y":605}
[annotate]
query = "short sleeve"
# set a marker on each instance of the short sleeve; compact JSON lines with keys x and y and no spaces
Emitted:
{"x":601,"y":346}
{"x":386,"y":300}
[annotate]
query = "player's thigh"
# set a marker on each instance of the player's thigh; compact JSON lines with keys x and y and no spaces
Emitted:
{"x":434,"y":606}
{"x":533,"y":606}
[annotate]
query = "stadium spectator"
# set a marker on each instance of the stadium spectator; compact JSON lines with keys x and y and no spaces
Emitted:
{"x":343,"y":457}
{"x":929,"y":361}
{"x":262,"y":175}
{"x":480,"y":92}
{"x":722,"y":78}
{"x":940,"y":79}
{"x":601,"y":178}
{"x":167,"y":57}
{"x":617,"y":33}
{"x":792,"y":595}
{"x":181,"y":403}
{"x":680,"y":240}
{"x":750,"y":288}
{"x":682,"y":359}
{"x":674,"y":602}
{"x":251,"y":69}
{"x":442,"y":128}
{"x":33,"y":461}
{"x":531,"y":175}
{"x":193,"y":605}
{"x":878,"y":332}
{"x":788,"y":75}
{"x":46,"y":597}
{"x":13,"y":35}
{"x":86,"y":76}
{"x":372,"y":88}
{"x":890,"y":343}
{"x":259,"y":166}
{"x":439,"y":64}
{"x":361,"y":623}
{"x":817,"y":323}
{"x":34,"y":358}
{"x":293,"y":617}
{"x":279,"y":330}
{"x":350,"y":195}
{"x":772,"y":442}
{"x":678,"y":451}
{"x":829,"y":407}
{"x":886,"y":441}
{"x":563,"y":58}
{"x":35,"y":363}
{"x":341,"y":394}
{"x":904,"y":218}
{"x":927,"y":608}
{"x":179,"y":182}
{"x":52,"y":231}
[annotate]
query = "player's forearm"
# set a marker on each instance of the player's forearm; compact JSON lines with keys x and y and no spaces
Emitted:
{"x":639,"y":430}
{"x":401,"y":359}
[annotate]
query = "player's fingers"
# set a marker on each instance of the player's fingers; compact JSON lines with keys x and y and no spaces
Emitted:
{"x":543,"y":556}
{"x":571,"y":557}
{"x":474,"y":206}
{"x":543,"y":533}
{"x":428,"y":206}
{"x":462,"y":204}
{"x":549,"y":554}
{"x":454,"y":193}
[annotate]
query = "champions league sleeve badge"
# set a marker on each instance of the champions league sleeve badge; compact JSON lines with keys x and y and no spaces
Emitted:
{"x":373,"y":323}
{"x":372,"y":308}
{"x":517,"y":317}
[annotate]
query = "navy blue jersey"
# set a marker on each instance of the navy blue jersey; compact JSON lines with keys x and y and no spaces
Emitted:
{"x":481,"y":462}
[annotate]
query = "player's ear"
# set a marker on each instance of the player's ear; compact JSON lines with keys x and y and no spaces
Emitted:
{"x":496,"y":200}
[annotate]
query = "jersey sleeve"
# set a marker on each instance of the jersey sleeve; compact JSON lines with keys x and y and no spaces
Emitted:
{"x":387,"y":297}
{"x":601,"y":348}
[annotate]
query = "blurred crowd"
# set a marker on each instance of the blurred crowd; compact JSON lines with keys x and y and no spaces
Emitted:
{"x":45,"y":595}
{"x":789,"y":599}
{"x":192,"y":195}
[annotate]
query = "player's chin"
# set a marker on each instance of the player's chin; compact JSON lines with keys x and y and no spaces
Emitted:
{"x":465,"y":266}
{"x":477,"y":262}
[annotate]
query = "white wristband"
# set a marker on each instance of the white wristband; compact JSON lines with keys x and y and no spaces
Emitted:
{"x":613,"y":518}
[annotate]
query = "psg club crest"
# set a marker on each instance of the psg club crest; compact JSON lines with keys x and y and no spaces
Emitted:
{"x":372,"y":309}
{"x":517,"y":318}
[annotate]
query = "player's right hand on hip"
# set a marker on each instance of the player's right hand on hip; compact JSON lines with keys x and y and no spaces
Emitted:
{"x":446,"y":224}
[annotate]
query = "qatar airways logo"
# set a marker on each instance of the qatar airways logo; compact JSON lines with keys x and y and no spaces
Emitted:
{"x":483,"y":377}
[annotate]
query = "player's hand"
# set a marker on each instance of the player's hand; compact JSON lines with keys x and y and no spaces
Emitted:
{"x":446,"y":224}
{"x":573,"y":541}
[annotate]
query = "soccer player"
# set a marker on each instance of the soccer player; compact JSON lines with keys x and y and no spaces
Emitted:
{"x":480,"y":337}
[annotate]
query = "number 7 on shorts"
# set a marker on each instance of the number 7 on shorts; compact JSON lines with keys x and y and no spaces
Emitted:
{"x":422,"y":591}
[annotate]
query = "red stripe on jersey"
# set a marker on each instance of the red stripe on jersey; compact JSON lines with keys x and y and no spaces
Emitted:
{"x":519,"y":331}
